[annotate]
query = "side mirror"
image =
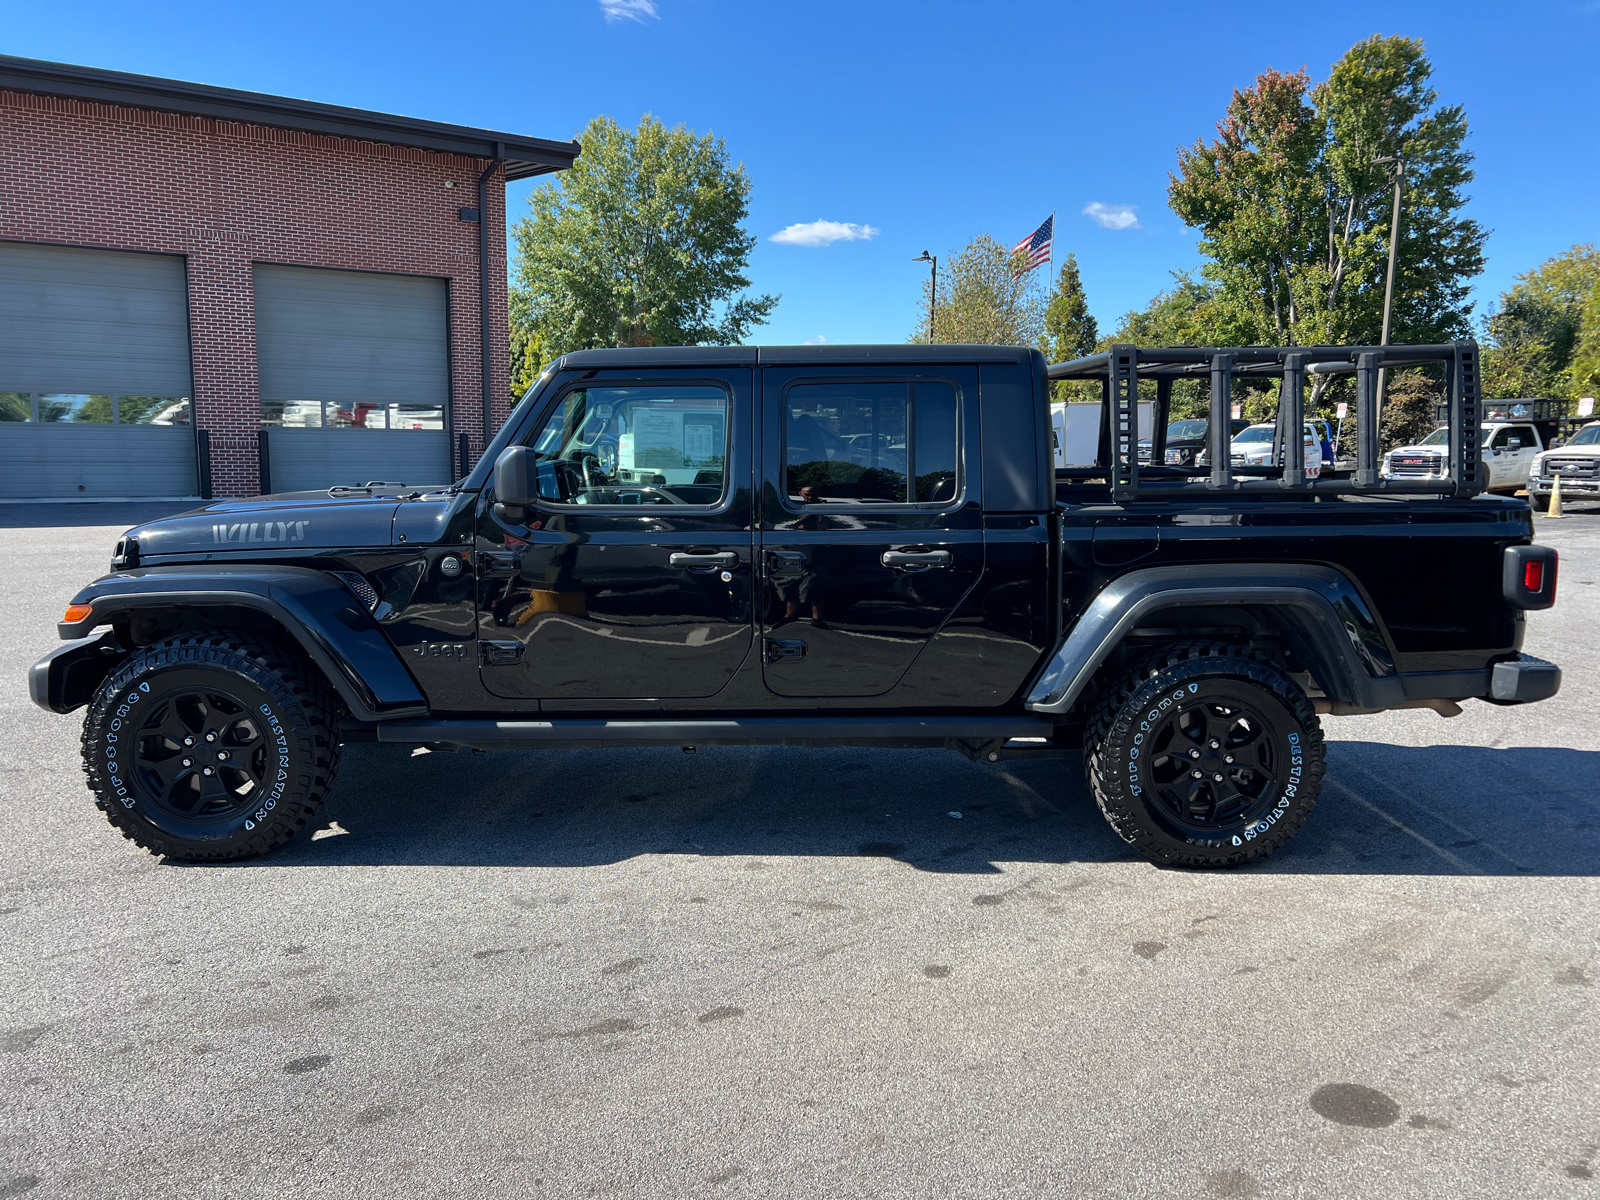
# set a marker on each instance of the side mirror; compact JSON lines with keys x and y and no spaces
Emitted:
{"x":513,"y":477}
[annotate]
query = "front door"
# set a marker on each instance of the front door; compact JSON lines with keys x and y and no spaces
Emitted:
{"x":630,"y":579}
{"x":870,"y":532}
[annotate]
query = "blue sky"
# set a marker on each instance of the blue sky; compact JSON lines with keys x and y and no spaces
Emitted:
{"x":927,"y":122}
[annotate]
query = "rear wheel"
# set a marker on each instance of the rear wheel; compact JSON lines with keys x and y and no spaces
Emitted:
{"x":210,"y":748}
{"x":1202,"y":756}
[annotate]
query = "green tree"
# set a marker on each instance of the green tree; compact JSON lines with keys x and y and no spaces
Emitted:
{"x":1070,"y":330}
{"x":1294,"y":211}
{"x":1586,"y":359}
{"x":639,"y":244}
{"x":984,"y":299}
{"x":527,"y":346}
{"x":1534,"y":331}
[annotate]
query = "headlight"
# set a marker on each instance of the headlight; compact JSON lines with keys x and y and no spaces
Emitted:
{"x":1175,"y":458}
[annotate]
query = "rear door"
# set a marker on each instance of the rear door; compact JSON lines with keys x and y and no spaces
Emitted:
{"x":868,"y":539}
{"x":630,"y":579}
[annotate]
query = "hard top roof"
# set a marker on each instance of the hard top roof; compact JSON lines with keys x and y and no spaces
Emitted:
{"x":691,"y":356}
{"x":525,"y":156}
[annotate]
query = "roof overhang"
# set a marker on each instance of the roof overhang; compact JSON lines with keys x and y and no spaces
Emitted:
{"x":525,"y":156}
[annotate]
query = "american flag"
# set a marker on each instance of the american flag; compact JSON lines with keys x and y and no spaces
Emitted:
{"x":1037,"y":244}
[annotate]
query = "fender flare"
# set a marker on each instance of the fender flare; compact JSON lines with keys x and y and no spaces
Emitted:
{"x":334,"y":629}
{"x":1322,"y":605}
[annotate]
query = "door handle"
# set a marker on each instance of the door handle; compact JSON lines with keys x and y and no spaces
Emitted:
{"x":785,"y":562}
{"x":703,"y":562}
{"x":918,"y":559}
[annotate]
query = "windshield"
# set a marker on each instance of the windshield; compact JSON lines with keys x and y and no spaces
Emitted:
{"x":1441,"y":437}
{"x":1589,"y":435}
{"x":1186,"y":429}
{"x":1256,"y":433}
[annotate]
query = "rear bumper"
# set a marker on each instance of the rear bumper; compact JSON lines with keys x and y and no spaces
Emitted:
{"x":1523,"y":681}
{"x":66,"y":678}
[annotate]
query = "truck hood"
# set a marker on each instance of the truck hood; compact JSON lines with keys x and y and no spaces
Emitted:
{"x":294,"y":521}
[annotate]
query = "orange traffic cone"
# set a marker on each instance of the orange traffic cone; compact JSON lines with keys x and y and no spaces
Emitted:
{"x":1555,"y":498}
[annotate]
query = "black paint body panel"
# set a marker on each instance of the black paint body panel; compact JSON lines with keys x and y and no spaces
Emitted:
{"x":629,"y":635}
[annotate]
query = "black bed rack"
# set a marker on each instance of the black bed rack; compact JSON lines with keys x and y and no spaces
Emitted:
{"x":1122,"y":369}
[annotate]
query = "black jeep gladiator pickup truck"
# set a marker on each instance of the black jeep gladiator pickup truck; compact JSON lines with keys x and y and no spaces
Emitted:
{"x":861,"y":546}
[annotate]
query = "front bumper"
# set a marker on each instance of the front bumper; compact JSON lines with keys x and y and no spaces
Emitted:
{"x":66,"y":678}
{"x":1543,"y":485}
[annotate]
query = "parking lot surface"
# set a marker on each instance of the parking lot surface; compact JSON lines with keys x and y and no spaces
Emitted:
{"x":781,"y":972}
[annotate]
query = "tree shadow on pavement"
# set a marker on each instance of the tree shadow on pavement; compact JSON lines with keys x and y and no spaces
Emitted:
{"x":1386,"y":809}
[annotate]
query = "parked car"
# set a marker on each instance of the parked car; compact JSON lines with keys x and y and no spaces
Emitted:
{"x":749,"y":583}
{"x":1577,"y":461}
{"x":1252,"y":447}
{"x":1509,"y":448}
{"x":1186,"y":441}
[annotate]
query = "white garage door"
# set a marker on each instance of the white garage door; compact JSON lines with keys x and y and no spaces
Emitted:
{"x":94,"y":374}
{"x":355,"y":375}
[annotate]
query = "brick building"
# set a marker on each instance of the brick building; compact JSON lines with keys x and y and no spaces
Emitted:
{"x":200,"y":285}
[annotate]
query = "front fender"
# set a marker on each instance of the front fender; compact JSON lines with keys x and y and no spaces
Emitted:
{"x":330,"y":625}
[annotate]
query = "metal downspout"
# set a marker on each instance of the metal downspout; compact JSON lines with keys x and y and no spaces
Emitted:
{"x":483,"y":291}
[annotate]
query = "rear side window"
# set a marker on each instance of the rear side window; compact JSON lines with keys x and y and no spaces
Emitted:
{"x":870,"y":443}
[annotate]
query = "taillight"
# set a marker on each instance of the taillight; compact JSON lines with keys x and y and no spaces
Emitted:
{"x":1529,"y":576}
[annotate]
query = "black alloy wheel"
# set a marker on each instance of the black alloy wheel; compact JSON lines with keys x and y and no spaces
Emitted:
{"x":1213,"y":766}
{"x":201,"y":756}
{"x":1201,"y":755}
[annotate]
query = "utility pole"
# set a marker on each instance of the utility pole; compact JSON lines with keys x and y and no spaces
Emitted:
{"x":1394,"y":243}
{"x":933,"y":294}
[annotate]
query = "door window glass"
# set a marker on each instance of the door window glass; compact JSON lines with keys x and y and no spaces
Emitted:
{"x":16,"y":406}
{"x":652,"y":444}
{"x":75,"y":407}
{"x":933,"y":410}
{"x":870,"y":443}
{"x":152,"y":410}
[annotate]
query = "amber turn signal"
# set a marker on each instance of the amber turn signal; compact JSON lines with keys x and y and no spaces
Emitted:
{"x":76,"y":613}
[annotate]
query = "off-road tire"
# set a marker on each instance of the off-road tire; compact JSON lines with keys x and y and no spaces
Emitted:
{"x":1193,"y":682}
{"x":273,"y":755}
{"x":1540,"y":503}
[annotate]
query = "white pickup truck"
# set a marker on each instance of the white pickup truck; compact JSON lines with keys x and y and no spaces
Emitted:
{"x":1509,"y":450}
{"x":1578,"y":464}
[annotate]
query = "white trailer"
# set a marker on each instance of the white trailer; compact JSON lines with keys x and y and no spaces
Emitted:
{"x":1075,"y":430}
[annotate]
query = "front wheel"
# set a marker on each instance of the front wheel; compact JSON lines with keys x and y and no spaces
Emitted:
{"x":210,"y":748}
{"x":1540,"y":503}
{"x":1202,"y":756}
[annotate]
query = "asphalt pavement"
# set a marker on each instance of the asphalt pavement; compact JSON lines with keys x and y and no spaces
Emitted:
{"x":828,"y":973}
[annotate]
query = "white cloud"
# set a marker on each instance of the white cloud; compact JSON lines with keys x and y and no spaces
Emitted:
{"x":1113,"y":216}
{"x":628,"y":10}
{"x":824,"y":233}
{"x":815,"y":340}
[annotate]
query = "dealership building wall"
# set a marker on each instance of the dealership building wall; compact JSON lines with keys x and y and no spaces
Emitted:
{"x":237,"y":204}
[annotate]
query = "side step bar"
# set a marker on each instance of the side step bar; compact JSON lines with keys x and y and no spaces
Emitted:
{"x":586,"y":734}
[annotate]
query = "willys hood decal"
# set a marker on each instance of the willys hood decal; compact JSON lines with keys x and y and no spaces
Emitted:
{"x":313,"y":521}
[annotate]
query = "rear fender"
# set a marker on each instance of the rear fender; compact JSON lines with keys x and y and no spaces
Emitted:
{"x":317,"y":611}
{"x":1318,"y":609}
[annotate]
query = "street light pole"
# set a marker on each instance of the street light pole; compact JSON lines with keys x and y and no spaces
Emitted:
{"x":933,"y":294}
{"x":1394,"y":243}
